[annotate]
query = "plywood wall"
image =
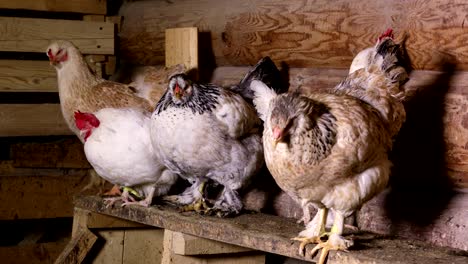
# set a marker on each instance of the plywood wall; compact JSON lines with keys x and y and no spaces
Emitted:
{"x":302,"y":33}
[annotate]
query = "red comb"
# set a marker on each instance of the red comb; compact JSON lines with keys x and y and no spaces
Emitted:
{"x":388,"y":33}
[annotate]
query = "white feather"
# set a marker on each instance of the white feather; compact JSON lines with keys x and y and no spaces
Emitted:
{"x":120,"y":149}
{"x":262,"y":97}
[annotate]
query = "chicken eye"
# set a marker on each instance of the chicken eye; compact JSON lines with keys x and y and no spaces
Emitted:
{"x":59,"y":51}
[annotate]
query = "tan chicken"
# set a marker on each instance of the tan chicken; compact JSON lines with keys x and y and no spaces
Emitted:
{"x":330,"y":150}
{"x":81,"y":90}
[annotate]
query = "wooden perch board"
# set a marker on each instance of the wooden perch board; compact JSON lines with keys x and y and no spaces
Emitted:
{"x":301,"y":33}
{"x":273,"y":234}
{"x":32,"y":120}
{"x":77,"y":6}
{"x":34,"y":35}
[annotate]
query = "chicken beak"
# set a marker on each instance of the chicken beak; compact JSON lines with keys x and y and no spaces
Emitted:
{"x":82,"y":133}
{"x":277,"y":134}
{"x":178,"y":92}
{"x":52,"y":62}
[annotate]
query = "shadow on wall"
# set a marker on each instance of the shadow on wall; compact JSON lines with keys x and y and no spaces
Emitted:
{"x":420,"y":186}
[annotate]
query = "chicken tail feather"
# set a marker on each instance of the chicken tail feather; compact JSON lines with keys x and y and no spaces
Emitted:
{"x":265,"y":71}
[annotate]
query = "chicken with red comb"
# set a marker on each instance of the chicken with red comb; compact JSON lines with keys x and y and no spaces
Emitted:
{"x":330,"y":150}
{"x":118,"y":146}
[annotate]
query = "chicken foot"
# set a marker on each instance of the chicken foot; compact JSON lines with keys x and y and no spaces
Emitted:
{"x":125,"y":198}
{"x":314,"y":231}
{"x":335,"y":241}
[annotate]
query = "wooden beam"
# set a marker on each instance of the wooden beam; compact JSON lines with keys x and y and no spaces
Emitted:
{"x":32,"y":120}
{"x":27,"y":76}
{"x":76,"y":6}
{"x":64,"y":153}
{"x":184,"y":244}
{"x":34,"y":195}
{"x":170,"y":256}
{"x":87,"y":219}
{"x":34,"y":35}
{"x":77,"y":248}
{"x":271,"y":234}
{"x":182,"y":47}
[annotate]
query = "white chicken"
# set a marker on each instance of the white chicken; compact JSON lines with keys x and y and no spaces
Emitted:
{"x":118,"y":146}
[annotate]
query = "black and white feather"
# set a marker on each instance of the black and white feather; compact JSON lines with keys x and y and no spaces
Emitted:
{"x":206,"y":132}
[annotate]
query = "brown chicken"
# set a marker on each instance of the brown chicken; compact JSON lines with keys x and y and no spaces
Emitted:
{"x":81,"y":90}
{"x":330,"y":150}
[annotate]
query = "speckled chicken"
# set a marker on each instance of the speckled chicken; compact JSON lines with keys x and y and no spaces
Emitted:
{"x":118,"y":146}
{"x":203,"y":131}
{"x":330,"y":150}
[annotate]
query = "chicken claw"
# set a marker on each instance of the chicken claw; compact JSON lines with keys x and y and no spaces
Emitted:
{"x":305,"y":241}
{"x":334,"y":242}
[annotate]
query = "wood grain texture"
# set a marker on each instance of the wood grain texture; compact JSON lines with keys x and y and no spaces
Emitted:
{"x":65,"y":153}
{"x":35,"y":195}
{"x":27,"y":76}
{"x":273,"y":234}
{"x":77,"y":249}
{"x":34,"y":35}
{"x":301,"y":33}
{"x":32,"y":120}
{"x":181,"y":46}
{"x":33,"y":253}
{"x":77,"y":6}
{"x":183,"y":244}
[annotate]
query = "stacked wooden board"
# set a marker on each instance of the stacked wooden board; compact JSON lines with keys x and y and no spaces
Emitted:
{"x":42,"y":164}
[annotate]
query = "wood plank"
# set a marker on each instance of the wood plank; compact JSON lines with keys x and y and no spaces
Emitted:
{"x":184,"y":244}
{"x":32,"y":120}
{"x":143,"y":246}
{"x":92,"y":220}
{"x":27,"y":76}
{"x":33,"y":253}
{"x":34,"y":35}
{"x":77,"y":248}
{"x":182,"y":47}
{"x":171,"y":257}
{"x":111,"y":250}
{"x":76,"y":6}
{"x":300,"y":33}
{"x":272,"y":234}
{"x":65,"y":153}
{"x":52,"y":195}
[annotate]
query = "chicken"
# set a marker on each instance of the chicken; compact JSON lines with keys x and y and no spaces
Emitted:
{"x":118,"y":146}
{"x":206,"y":132}
{"x":377,"y":76}
{"x":80,"y":90}
{"x":330,"y":150}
